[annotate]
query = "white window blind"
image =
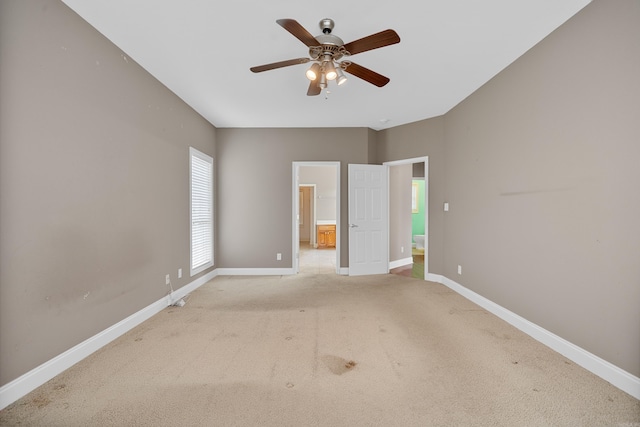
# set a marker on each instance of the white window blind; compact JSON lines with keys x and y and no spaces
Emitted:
{"x":201,"y":202}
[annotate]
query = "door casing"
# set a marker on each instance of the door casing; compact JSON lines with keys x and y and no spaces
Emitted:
{"x":295,"y":197}
{"x":424,"y":159}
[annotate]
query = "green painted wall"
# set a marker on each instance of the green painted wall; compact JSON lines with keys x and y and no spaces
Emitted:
{"x":417,"y":219}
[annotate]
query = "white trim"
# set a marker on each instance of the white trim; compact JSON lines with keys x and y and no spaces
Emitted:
{"x":424,"y":159}
{"x":180,"y":293}
{"x":400,"y":263}
{"x":618,"y":377}
{"x":255,"y":271}
{"x":295,"y":227}
{"x":407,"y":161}
{"x":33,"y":379}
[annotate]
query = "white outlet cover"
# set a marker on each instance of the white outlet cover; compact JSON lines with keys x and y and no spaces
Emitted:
{"x":167,"y":279}
{"x":179,"y":273}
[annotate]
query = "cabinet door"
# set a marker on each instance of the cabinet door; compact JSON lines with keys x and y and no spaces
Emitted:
{"x":331,"y":238}
{"x":322,"y":241}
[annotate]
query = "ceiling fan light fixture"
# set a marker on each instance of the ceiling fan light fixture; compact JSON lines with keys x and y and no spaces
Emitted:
{"x":323,"y":81}
{"x":313,"y":71}
{"x":330,"y":70}
{"x":326,"y":53}
{"x":341,"y":77}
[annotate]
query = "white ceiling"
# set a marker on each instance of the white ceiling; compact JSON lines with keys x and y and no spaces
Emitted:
{"x":202,"y":50}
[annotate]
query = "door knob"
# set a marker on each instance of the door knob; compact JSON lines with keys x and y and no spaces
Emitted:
{"x":353,"y":225}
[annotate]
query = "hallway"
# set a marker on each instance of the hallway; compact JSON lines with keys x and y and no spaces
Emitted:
{"x":317,"y":261}
{"x":323,"y":261}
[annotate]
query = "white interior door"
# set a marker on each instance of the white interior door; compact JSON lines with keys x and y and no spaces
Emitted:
{"x":368,"y":220}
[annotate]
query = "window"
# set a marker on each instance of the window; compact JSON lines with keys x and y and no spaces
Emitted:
{"x":201,"y":207}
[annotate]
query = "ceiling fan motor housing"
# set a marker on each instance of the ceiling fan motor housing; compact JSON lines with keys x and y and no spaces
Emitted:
{"x":330,"y":46}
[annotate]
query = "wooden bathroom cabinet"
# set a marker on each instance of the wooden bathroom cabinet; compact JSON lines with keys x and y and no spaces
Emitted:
{"x":326,"y":236}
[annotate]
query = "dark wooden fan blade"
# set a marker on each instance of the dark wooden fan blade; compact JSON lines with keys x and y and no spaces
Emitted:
{"x":366,"y":74}
{"x":298,"y":31}
{"x":374,"y":41}
{"x":280,"y":64}
{"x":314,"y":89}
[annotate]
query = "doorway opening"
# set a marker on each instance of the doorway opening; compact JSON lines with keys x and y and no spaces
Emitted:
{"x":316,"y":218}
{"x":410,"y":227}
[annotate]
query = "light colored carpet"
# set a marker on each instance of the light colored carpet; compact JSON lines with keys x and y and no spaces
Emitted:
{"x":325,"y":350}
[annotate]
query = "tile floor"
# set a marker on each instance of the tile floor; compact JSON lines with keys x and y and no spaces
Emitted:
{"x":317,"y":261}
{"x":323,"y":261}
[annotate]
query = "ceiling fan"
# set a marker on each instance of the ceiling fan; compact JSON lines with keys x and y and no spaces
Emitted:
{"x":327,"y":53}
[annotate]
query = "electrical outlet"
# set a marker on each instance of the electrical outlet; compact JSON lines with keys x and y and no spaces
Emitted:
{"x":446,"y":207}
{"x":167,"y":279}
{"x":401,"y":249}
{"x":179,"y":273}
{"x":459,"y":269}
{"x":278,"y":256}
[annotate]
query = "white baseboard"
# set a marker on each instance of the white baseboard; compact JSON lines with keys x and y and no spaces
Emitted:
{"x":400,"y":263}
{"x":255,"y":271}
{"x":618,"y":377}
{"x":343,"y":271}
{"x":28,"y":382}
{"x":33,"y":379}
{"x":187,"y":289}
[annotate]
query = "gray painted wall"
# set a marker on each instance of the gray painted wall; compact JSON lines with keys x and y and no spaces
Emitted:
{"x":424,"y":138}
{"x":326,"y":189}
{"x":540,"y":169}
{"x":255,"y":188}
{"x":400,"y":212}
{"x":542,"y":177}
{"x":94,"y":167}
{"x":539,"y":166}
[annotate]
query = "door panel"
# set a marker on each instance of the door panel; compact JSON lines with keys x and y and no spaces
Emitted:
{"x":368,"y":213}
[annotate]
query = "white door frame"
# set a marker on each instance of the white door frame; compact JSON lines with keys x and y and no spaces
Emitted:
{"x":424,"y":159}
{"x":295,"y":244}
